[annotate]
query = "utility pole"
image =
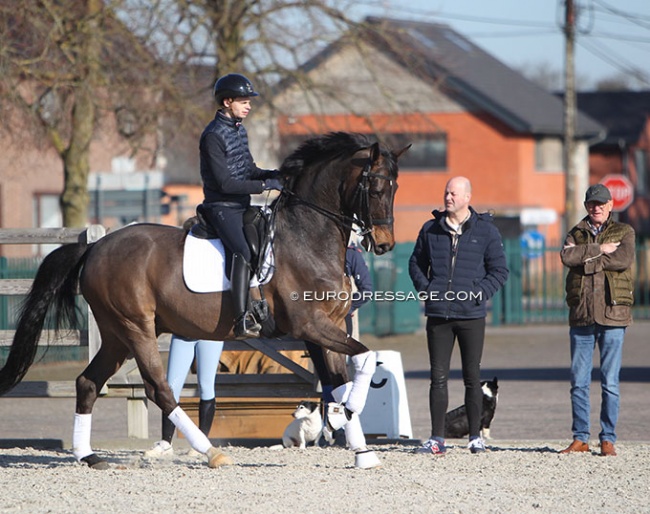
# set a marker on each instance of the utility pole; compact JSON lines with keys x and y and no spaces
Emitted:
{"x":573,"y":206}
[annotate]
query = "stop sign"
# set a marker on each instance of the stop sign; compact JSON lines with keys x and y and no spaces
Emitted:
{"x":622,"y":191}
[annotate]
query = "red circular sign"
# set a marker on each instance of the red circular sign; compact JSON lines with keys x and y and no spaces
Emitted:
{"x":622,"y":191}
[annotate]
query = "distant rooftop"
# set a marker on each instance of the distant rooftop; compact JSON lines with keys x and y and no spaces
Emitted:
{"x":623,"y":113}
{"x":480,"y":78}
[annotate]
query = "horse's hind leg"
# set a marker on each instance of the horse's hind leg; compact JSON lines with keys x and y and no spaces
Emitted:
{"x":105,"y":364}
{"x":158,"y":391}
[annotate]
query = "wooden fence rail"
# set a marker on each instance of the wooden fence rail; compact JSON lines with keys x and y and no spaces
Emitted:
{"x":127,"y":383}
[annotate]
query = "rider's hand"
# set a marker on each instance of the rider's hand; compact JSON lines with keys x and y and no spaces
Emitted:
{"x":273,"y":183}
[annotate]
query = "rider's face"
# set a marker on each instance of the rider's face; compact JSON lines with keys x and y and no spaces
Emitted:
{"x":238,"y":107}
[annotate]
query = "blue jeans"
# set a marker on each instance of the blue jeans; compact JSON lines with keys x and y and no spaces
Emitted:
{"x":610,"y":345}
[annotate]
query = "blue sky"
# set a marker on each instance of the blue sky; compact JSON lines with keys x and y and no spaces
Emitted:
{"x":613,"y":35}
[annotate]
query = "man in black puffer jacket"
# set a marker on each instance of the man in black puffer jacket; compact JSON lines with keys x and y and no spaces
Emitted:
{"x":229,"y":177}
{"x":457,"y":265}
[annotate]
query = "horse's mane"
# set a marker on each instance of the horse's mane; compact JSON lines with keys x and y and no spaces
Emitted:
{"x":323,"y":148}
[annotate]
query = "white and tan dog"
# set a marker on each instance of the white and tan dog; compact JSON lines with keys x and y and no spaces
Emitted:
{"x":306,"y":428}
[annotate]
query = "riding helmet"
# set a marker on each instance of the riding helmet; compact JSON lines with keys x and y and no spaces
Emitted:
{"x":233,"y":85}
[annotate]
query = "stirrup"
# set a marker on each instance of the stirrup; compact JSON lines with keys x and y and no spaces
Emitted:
{"x":246,"y":327}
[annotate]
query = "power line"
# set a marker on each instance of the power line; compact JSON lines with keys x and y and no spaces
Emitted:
{"x":631,"y":17}
{"x":616,"y":61}
{"x":621,"y":37}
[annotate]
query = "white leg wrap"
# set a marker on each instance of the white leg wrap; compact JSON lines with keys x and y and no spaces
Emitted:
{"x":363,"y":458}
{"x":341,"y":393}
{"x":364,"y":367}
{"x":197,"y":439}
{"x":354,"y":433}
{"x":81,"y":436}
{"x":336,"y":417}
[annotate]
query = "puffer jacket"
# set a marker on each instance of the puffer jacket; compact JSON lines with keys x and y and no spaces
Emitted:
{"x":456,"y":283}
{"x":599,"y":287}
{"x":227,"y":167}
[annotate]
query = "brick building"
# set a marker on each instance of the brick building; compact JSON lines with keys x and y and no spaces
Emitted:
{"x":465,"y":112}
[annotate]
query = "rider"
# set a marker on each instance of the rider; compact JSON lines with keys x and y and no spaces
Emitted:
{"x":229,"y":177}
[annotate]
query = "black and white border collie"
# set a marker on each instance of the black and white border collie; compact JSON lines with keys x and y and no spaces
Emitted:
{"x":456,"y":423}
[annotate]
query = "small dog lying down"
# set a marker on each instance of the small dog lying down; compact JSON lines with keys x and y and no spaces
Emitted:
{"x":306,"y":428}
{"x":456,"y":423}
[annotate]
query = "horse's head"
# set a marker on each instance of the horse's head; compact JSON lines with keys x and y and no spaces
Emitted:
{"x":371,"y":195}
{"x":348,"y":179}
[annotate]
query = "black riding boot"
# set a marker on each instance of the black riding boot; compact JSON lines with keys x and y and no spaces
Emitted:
{"x":206,"y":415}
{"x":168,"y":429}
{"x":245,"y":325}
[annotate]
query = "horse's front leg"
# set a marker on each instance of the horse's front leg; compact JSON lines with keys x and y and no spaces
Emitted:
{"x":349,"y":396}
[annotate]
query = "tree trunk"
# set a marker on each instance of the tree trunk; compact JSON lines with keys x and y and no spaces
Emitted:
{"x":76,"y":158}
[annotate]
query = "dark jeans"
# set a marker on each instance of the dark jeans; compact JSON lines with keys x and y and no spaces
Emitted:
{"x":441,"y":335}
{"x":228,"y":220}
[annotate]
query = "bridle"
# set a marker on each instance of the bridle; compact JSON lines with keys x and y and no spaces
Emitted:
{"x":361,"y":198}
{"x":362,"y":217}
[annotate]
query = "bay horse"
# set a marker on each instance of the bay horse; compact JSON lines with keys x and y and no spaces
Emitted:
{"x":132,"y":280}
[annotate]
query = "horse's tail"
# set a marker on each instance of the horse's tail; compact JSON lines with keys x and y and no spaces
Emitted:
{"x":55,"y":284}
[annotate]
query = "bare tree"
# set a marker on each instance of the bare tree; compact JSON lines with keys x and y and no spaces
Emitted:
{"x":618,"y":82}
{"x":548,"y":76}
{"x":275,"y":43}
{"x":65,"y":64}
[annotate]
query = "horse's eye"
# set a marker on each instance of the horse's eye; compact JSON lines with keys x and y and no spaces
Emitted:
{"x":374,"y":193}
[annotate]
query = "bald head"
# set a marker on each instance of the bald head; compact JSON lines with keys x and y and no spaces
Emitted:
{"x":458,"y":193}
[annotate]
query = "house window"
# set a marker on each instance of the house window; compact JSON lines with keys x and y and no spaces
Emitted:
{"x":427,"y":153}
{"x":548,"y":154}
{"x":47,"y":214}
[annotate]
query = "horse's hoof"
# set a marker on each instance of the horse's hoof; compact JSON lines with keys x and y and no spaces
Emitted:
{"x":217,"y":459}
{"x":94,"y":462}
{"x":366,"y":459}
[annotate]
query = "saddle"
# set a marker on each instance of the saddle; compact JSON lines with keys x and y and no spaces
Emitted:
{"x":256,"y":230}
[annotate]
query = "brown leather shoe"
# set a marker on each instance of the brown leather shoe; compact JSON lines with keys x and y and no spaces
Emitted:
{"x":576,"y":446}
{"x":607,"y":449}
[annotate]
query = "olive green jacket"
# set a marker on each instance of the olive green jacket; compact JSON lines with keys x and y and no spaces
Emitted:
{"x":599,"y":287}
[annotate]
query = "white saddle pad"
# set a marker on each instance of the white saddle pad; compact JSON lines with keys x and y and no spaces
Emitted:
{"x":204,"y":266}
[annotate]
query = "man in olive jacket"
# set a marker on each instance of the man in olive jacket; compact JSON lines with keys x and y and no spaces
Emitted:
{"x":599,"y":253}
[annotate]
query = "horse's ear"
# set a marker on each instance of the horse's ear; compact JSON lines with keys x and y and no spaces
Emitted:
{"x":375,"y":152}
{"x":402,"y":151}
